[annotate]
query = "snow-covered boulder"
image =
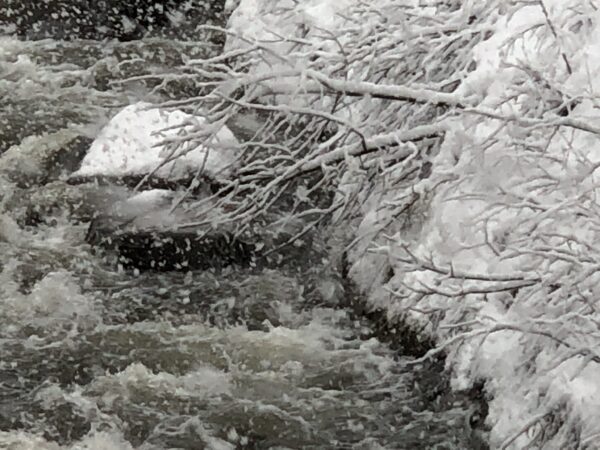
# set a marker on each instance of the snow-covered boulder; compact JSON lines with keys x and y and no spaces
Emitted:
{"x":144,"y":139}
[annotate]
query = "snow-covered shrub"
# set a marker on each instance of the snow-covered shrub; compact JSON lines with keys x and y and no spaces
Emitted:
{"x":461,"y":140}
{"x":341,"y":91}
{"x":504,"y":270}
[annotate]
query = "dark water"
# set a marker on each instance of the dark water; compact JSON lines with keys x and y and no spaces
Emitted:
{"x":96,"y":358}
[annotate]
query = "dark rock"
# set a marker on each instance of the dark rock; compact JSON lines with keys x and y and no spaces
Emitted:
{"x":100,"y":19}
{"x":263,"y":246}
{"x":172,"y":250}
{"x":199,"y":184}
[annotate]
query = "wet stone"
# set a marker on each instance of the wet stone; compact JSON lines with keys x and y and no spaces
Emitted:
{"x":172,"y":250}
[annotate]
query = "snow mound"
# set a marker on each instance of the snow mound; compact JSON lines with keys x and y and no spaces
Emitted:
{"x":144,"y":139}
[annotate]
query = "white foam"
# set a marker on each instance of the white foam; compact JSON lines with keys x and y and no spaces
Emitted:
{"x":101,"y":440}
{"x":56,"y":299}
{"x":204,"y":381}
{"x":19,"y":440}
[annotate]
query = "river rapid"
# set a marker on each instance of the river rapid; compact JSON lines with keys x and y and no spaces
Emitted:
{"x":96,"y":357}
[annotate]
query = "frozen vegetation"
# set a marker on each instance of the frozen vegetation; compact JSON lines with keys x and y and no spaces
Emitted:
{"x":468,"y":134}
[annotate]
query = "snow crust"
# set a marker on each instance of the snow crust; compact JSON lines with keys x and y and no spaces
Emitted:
{"x":144,"y":139}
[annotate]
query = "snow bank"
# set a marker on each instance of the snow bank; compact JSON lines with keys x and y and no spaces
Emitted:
{"x":143,"y":139}
{"x":502,"y":270}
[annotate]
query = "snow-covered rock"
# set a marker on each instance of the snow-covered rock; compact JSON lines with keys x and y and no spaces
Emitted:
{"x":143,"y":139}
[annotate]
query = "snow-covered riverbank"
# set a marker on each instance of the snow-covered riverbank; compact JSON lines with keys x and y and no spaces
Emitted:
{"x":492,"y":251}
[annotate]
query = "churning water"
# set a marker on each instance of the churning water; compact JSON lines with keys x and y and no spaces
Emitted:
{"x":92,"y":357}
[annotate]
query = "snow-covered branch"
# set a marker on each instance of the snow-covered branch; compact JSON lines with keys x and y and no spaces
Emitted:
{"x":459,"y":141}
{"x":324,"y":84}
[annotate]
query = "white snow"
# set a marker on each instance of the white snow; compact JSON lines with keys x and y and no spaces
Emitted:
{"x":142,"y":139}
{"x":276,"y":26}
{"x":155,"y":209}
{"x":263,"y":20}
{"x":487,"y":223}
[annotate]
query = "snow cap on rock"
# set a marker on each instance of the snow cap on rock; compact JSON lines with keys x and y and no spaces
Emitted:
{"x":142,"y":137}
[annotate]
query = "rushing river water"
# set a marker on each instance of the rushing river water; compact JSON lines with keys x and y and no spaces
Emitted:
{"x":97,"y":358}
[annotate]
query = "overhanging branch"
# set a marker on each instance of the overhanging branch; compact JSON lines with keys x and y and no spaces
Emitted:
{"x":372,"y":144}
